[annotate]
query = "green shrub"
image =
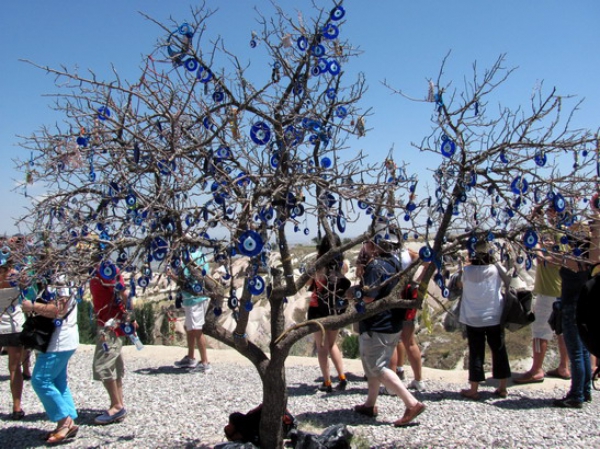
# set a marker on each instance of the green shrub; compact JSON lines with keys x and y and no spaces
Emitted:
{"x":145,"y":317}
{"x":350,"y":347}
{"x":86,"y":321}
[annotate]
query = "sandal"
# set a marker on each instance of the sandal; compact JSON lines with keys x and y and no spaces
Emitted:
{"x":501,"y":393}
{"x":57,"y":436}
{"x":469,"y":395}
{"x":17,"y":416}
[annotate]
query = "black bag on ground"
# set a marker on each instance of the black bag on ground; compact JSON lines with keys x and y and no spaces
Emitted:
{"x":245,"y":427}
{"x":517,"y":311}
{"x":37,"y":332}
{"x":334,"y":437}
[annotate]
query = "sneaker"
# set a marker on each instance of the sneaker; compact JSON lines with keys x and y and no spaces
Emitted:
{"x":384,"y":391}
{"x":325,"y":388}
{"x":418,"y":385}
{"x":587,"y":396}
{"x":567,"y":402}
{"x":400,"y":373}
{"x":342,"y":385}
{"x":186,"y":362}
{"x":202,"y":368}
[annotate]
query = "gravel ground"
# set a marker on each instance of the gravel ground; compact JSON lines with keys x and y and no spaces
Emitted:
{"x":172,"y":408}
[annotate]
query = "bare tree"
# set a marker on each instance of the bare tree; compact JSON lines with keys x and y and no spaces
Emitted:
{"x":203,"y":150}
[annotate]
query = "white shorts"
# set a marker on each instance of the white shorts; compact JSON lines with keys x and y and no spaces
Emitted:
{"x":194,"y":316}
{"x":542,"y":308}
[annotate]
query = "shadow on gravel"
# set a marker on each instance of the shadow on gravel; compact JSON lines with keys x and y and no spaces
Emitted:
{"x":523,"y":403}
{"x":3,"y":378}
{"x":168,"y":369}
{"x":18,"y":437}
{"x":347,"y":416}
{"x":311,"y":390}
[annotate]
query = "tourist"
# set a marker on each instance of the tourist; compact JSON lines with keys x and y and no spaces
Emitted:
{"x":327,"y":287}
{"x":109,"y":299}
{"x":49,"y":379}
{"x":379,"y":334}
{"x":481,"y":311}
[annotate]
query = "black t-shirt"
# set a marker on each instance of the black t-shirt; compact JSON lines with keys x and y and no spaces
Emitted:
{"x":377,"y":272}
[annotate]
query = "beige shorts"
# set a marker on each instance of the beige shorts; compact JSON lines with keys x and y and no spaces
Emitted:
{"x":195,"y":316}
{"x":376,"y":351}
{"x":108,"y":361}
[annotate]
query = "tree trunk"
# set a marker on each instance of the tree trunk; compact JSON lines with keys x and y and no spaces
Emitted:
{"x":274,"y":405}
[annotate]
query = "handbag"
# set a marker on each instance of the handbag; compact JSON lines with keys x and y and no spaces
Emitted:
{"x":555,"y":319}
{"x":37,"y":331}
{"x":517,"y":309}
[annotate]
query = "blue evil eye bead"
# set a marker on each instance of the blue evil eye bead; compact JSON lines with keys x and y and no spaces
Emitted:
{"x":267,"y":213}
{"x":82,"y":141}
{"x":127,"y":328}
{"x":360,"y":307}
{"x":5,"y":252}
{"x":426,"y":254}
{"x":233,"y":302}
{"x":445,"y":292}
{"x":218,"y":96}
{"x":275,"y":160}
{"x":471,"y":179}
{"x":448,"y":148}
{"x":248,"y":306}
{"x":530,"y":239}
{"x":341,"y":223}
{"x":250,"y":243}
{"x":204,"y":74}
{"x":334,"y":67}
{"x":577,"y":252}
{"x":298,"y":210}
{"x":528,"y":263}
{"x":326,"y":162}
{"x":197,"y":287}
{"x":122,"y":257}
{"x":217,"y":311}
{"x":322,"y":65}
{"x":503,"y":158}
{"x":302,"y":43}
{"x":160,"y":254}
{"x":223,"y":152}
{"x":143,"y":282}
{"x":260,"y":133}
{"x":411,"y":206}
{"x":341,"y":112}
{"x":306,"y":231}
{"x":439,"y":280}
{"x":191,"y":64}
{"x":540,"y":158}
{"x":185,"y":29}
{"x":519,"y":185}
{"x":330,"y":31}
{"x":317,"y":50}
{"x":253,"y":43}
{"x":331,"y":93}
{"x":131,"y":200}
{"x":362,"y":205}
{"x":256,"y":285}
{"x":92,"y":176}
{"x":103,"y":113}
{"x":559,"y":203}
{"x":337,"y":13}
{"x":107,"y":271}
{"x":58,"y":322}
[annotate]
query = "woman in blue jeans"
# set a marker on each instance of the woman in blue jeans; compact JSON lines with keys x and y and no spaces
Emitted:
{"x":574,"y":273}
{"x":49,"y":378}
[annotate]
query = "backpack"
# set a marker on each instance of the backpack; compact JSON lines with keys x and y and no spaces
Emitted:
{"x":588,"y":313}
{"x":411,"y":291}
{"x":245,"y":427}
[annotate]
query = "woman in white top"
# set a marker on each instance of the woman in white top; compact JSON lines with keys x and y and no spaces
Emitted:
{"x":49,"y":378}
{"x":11,"y":324}
{"x":481,"y":312}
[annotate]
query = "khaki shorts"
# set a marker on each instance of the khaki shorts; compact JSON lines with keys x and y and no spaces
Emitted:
{"x":376,"y":351}
{"x":108,"y":365}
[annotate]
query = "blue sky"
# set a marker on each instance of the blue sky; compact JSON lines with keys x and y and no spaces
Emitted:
{"x":554,"y":42}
